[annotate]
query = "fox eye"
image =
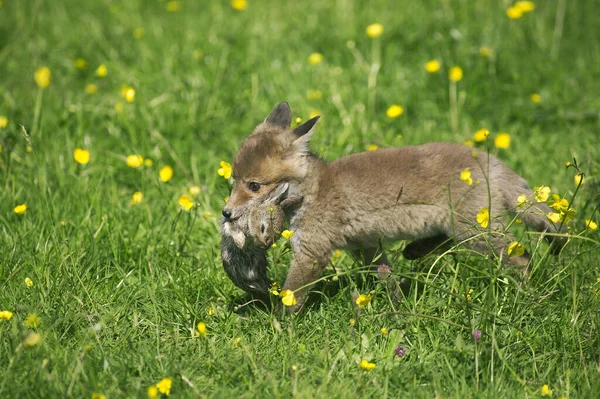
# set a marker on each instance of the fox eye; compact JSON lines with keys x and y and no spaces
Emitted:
{"x":254,"y":186}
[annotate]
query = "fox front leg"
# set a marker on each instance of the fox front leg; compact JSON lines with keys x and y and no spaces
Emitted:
{"x":303,"y":272}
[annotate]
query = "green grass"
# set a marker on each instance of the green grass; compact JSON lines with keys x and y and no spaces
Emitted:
{"x":119,"y":288}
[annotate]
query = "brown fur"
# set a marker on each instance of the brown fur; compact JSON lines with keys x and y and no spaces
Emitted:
{"x":358,"y":201}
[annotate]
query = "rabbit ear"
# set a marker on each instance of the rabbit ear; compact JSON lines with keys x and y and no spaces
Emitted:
{"x":278,"y":193}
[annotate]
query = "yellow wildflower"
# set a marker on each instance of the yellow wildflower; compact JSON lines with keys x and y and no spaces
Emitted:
{"x":394,"y":111}
{"x":128,"y":93}
{"x":384,"y":331}
{"x":483,"y":217}
{"x":313,"y":95}
{"x":3,"y":121}
{"x":352,"y":322}
{"x":42,"y":77}
{"x":522,"y":200}
{"x":28,"y":282}
{"x":516,"y":249}
{"x":20,"y":209}
{"x":225,"y":170}
{"x":465,"y":176}
{"x":469,"y":143}
{"x":33,"y":321}
{"x":541,"y":193}
{"x":137,"y":198}
{"x":194,"y":191}
{"x":210,"y":311}
{"x":372,"y":147}
{"x":98,"y":396}
{"x":164,"y":386}
{"x":591,"y":225}
{"x":337,"y":253}
{"x":5,"y":314}
{"x":186,"y":202}
{"x":502,"y":140}
{"x":433,"y":66}
{"x":287,"y":297}
{"x":32,"y":339}
{"x":535,"y":98}
{"x":165,"y":173}
{"x":554,"y":217}
{"x":514,"y":12}
{"x":366,"y":365}
{"x":313,"y":113}
{"x":485,"y":51}
{"x":91,"y":88}
{"x":579,"y":179}
{"x":298,"y":120}
{"x":481,"y":135}
{"x":239,"y":5}
{"x":101,"y":71}
{"x":469,"y":295}
{"x":545,"y":390}
{"x":81,"y":156}
{"x":525,"y":6}
{"x":560,"y":204}
{"x":134,"y":161}
{"x":173,"y":6}
{"x":197,"y":54}
{"x":274,"y":288}
{"x":138,"y":33}
{"x":202,"y":329}
{"x":152,"y":392}
{"x":80,"y":63}
{"x":455,"y":74}
{"x":363,"y":300}
{"x":287,"y":234}
{"x":315,"y":58}
{"x":374,"y":30}
{"x":148,"y":162}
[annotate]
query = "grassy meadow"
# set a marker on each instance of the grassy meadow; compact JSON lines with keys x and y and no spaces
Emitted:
{"x":116,"y":115}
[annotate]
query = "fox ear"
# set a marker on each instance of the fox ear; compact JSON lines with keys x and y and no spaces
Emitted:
{"x":303,"y":134}
{"x":305,"y":127}
{"x":281,"y":115}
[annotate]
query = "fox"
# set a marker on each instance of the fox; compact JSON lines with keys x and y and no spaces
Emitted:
{"x":361,"y":200}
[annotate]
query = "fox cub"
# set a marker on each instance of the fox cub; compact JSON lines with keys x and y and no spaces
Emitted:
{"x":356,"y":202}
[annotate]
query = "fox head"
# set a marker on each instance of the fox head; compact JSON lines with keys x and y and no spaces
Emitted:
{"x":270,"y":159}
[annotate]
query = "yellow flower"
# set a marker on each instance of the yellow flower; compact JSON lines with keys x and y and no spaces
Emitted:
{"x":173,"y":6}
{"x":80,"y":63}
{"x":313,"y":95}
{"x":33,"y":321}
{"x":384,"y":331}
{"x":186,"y":202}
{"x":485,"y":51}
{"x":42,"y":77}
{"x":134,"y":161}
{"x":28,"y":282}
{"x":374,"y":30}
{"x":541,"y":193}
{"x":366,"y":365}
{"x":337,"y":253}
{"x":98,"y":396}
{"x":433,"y":66}
{"x":560,"y":204}
{"x":274,"y":288}
{"x":32,"y":339}
{"x":148,"y":162}
{"x":298,"y":120}
{"x":535,"y":98}
{"x":372,"y":147}
{"x":394,"y":111}
{"x":166,"y":173}
{"x":20,"y":209}
{"x":545,"y":390}
{"x":514,"y":12}
{"x":197,"y":54}
{"x":91,"y":88}
{"x":469,"y":143}
{"x":465,"y":176}
{"x":525,"y":6}
{"x":554,"y":217}
{"x":315,"y":58}
{"x":287,"y":234}
{"x":313,"y":113}
{"x":210,"y":311}
{"x":579,"y":179}
{"x":102,"y":71}
{"x":481,"y":135}
{"x":591,"y":225}
{"x":483,"y":217}
{"x":455,"y":74}
{"x":138,"y":33}
{"x":515,"y":249}
{"x":5,"y":314}
{"x":3,"y":121}
{"x":152,"y":391}
{"x":469,"y":295}
{"x":502,"y":140}
{"x":194,"y":191}
{"x":81,"y":156}
{"x":522,"y":200}
{"x":352,"y":322}
{"x":164,"y":386}
{"x":239,"y":5}
{"x":128,"y":93}
{"x":363,"y":300}
{"x":137,"y":198}
{"x":202,"y":328}
{"x":287,"y":297}
{"x":225,"y":170}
